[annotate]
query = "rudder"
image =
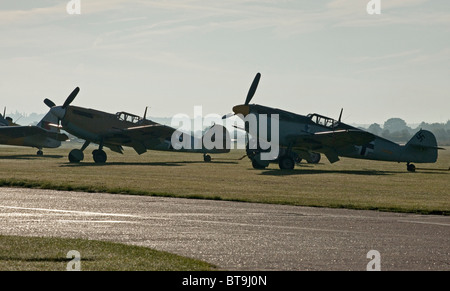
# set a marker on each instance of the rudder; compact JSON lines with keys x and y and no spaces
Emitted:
{"x":422,"y":147}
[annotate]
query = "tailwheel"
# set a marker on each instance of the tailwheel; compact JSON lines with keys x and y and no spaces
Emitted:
{"x":286,"y":163}
{"x":40,"y":153}
{"x":75,"y":156}
{"x":410,"y":167}
{"x":99,"y":156}
{"x":206,"y":158}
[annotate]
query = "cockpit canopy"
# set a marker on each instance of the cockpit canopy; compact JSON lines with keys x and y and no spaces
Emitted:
{"x":124,"y":116}
{"x":323,"y":120}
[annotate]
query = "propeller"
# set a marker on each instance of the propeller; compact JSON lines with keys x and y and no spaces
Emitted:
{"x":3,"y":120}
{"x":227,"y":115}
{"x":71,"y":97}
{"x":49,"y":103}
{"x":252,"y":90}
{"x":250,"y":94}
{"x":60,"y":111}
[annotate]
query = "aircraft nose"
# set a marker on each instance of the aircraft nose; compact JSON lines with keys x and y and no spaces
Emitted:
{"x":58,"y":111}
{"x":241,"y":109}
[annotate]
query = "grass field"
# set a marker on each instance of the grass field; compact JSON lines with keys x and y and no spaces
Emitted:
{"x":50,"y":254}
{"x":349,"y":183}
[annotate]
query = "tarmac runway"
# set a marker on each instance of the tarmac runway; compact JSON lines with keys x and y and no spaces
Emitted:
{"x":235,"y":235}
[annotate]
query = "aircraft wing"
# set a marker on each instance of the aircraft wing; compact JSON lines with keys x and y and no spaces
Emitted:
{"x":139,"y":137}
{"x":328,"y":142}
{"x":152,"y":130}
{"x":24,"y":131}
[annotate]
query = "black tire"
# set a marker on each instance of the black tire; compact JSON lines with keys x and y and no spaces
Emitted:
{"x":75,"y":156}
{"x":257,"y":165}
{"x":314,"y":158}
{"x":99,"y":156}
{"x":286,"y":163}
{"x":411,"y":168}
{"x":207,"y":158}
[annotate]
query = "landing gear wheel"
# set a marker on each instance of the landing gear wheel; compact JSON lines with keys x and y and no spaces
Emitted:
{"x":314,"y":158}
{"x":75,"y":156}
{"x":257,"y":165}
{"x":411,"y":168}
{"x":206,"y":158}
{"x":286,"y":163}
{"x":99,"y":156}
{"x":40,"y":153}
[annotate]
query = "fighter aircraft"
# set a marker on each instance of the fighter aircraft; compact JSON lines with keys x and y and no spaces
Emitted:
{"x":40,"y":136}
{"x":125,"y":129}
{"x":306,"y":137}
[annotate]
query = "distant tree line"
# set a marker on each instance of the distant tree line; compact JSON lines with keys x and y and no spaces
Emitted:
{"x":397,"y":130}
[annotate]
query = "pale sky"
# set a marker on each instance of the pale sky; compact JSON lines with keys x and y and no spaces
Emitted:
{"x":171,"y":55}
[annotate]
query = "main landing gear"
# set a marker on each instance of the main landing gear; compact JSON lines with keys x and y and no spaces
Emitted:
{"x":287,"y":159}
{"x":206,"y":158}
{"x":286,"y":162}
{"x":77,"y":155}
{"x":410,"y":167}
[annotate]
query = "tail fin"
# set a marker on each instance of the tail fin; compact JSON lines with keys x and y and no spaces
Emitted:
{"x":422,"y":147}
{"x":48,"y":120}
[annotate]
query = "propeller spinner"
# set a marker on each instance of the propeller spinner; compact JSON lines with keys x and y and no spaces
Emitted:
{"x":244,"y":109}
{"x":60,"y":111}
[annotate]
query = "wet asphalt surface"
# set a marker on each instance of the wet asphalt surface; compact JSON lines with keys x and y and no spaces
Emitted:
{"x":235,"y":235}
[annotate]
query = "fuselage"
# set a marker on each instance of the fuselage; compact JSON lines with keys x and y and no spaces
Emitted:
{"x":102,"y":127}
{"x":93,"y":125}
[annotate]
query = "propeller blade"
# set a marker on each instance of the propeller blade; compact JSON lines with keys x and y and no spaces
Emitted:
{"x":49,"y":103}
{"x":235,"y":126}
{"x":252,"y":90}
{"x":227,"y":115}
{"x":71,"y":97}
